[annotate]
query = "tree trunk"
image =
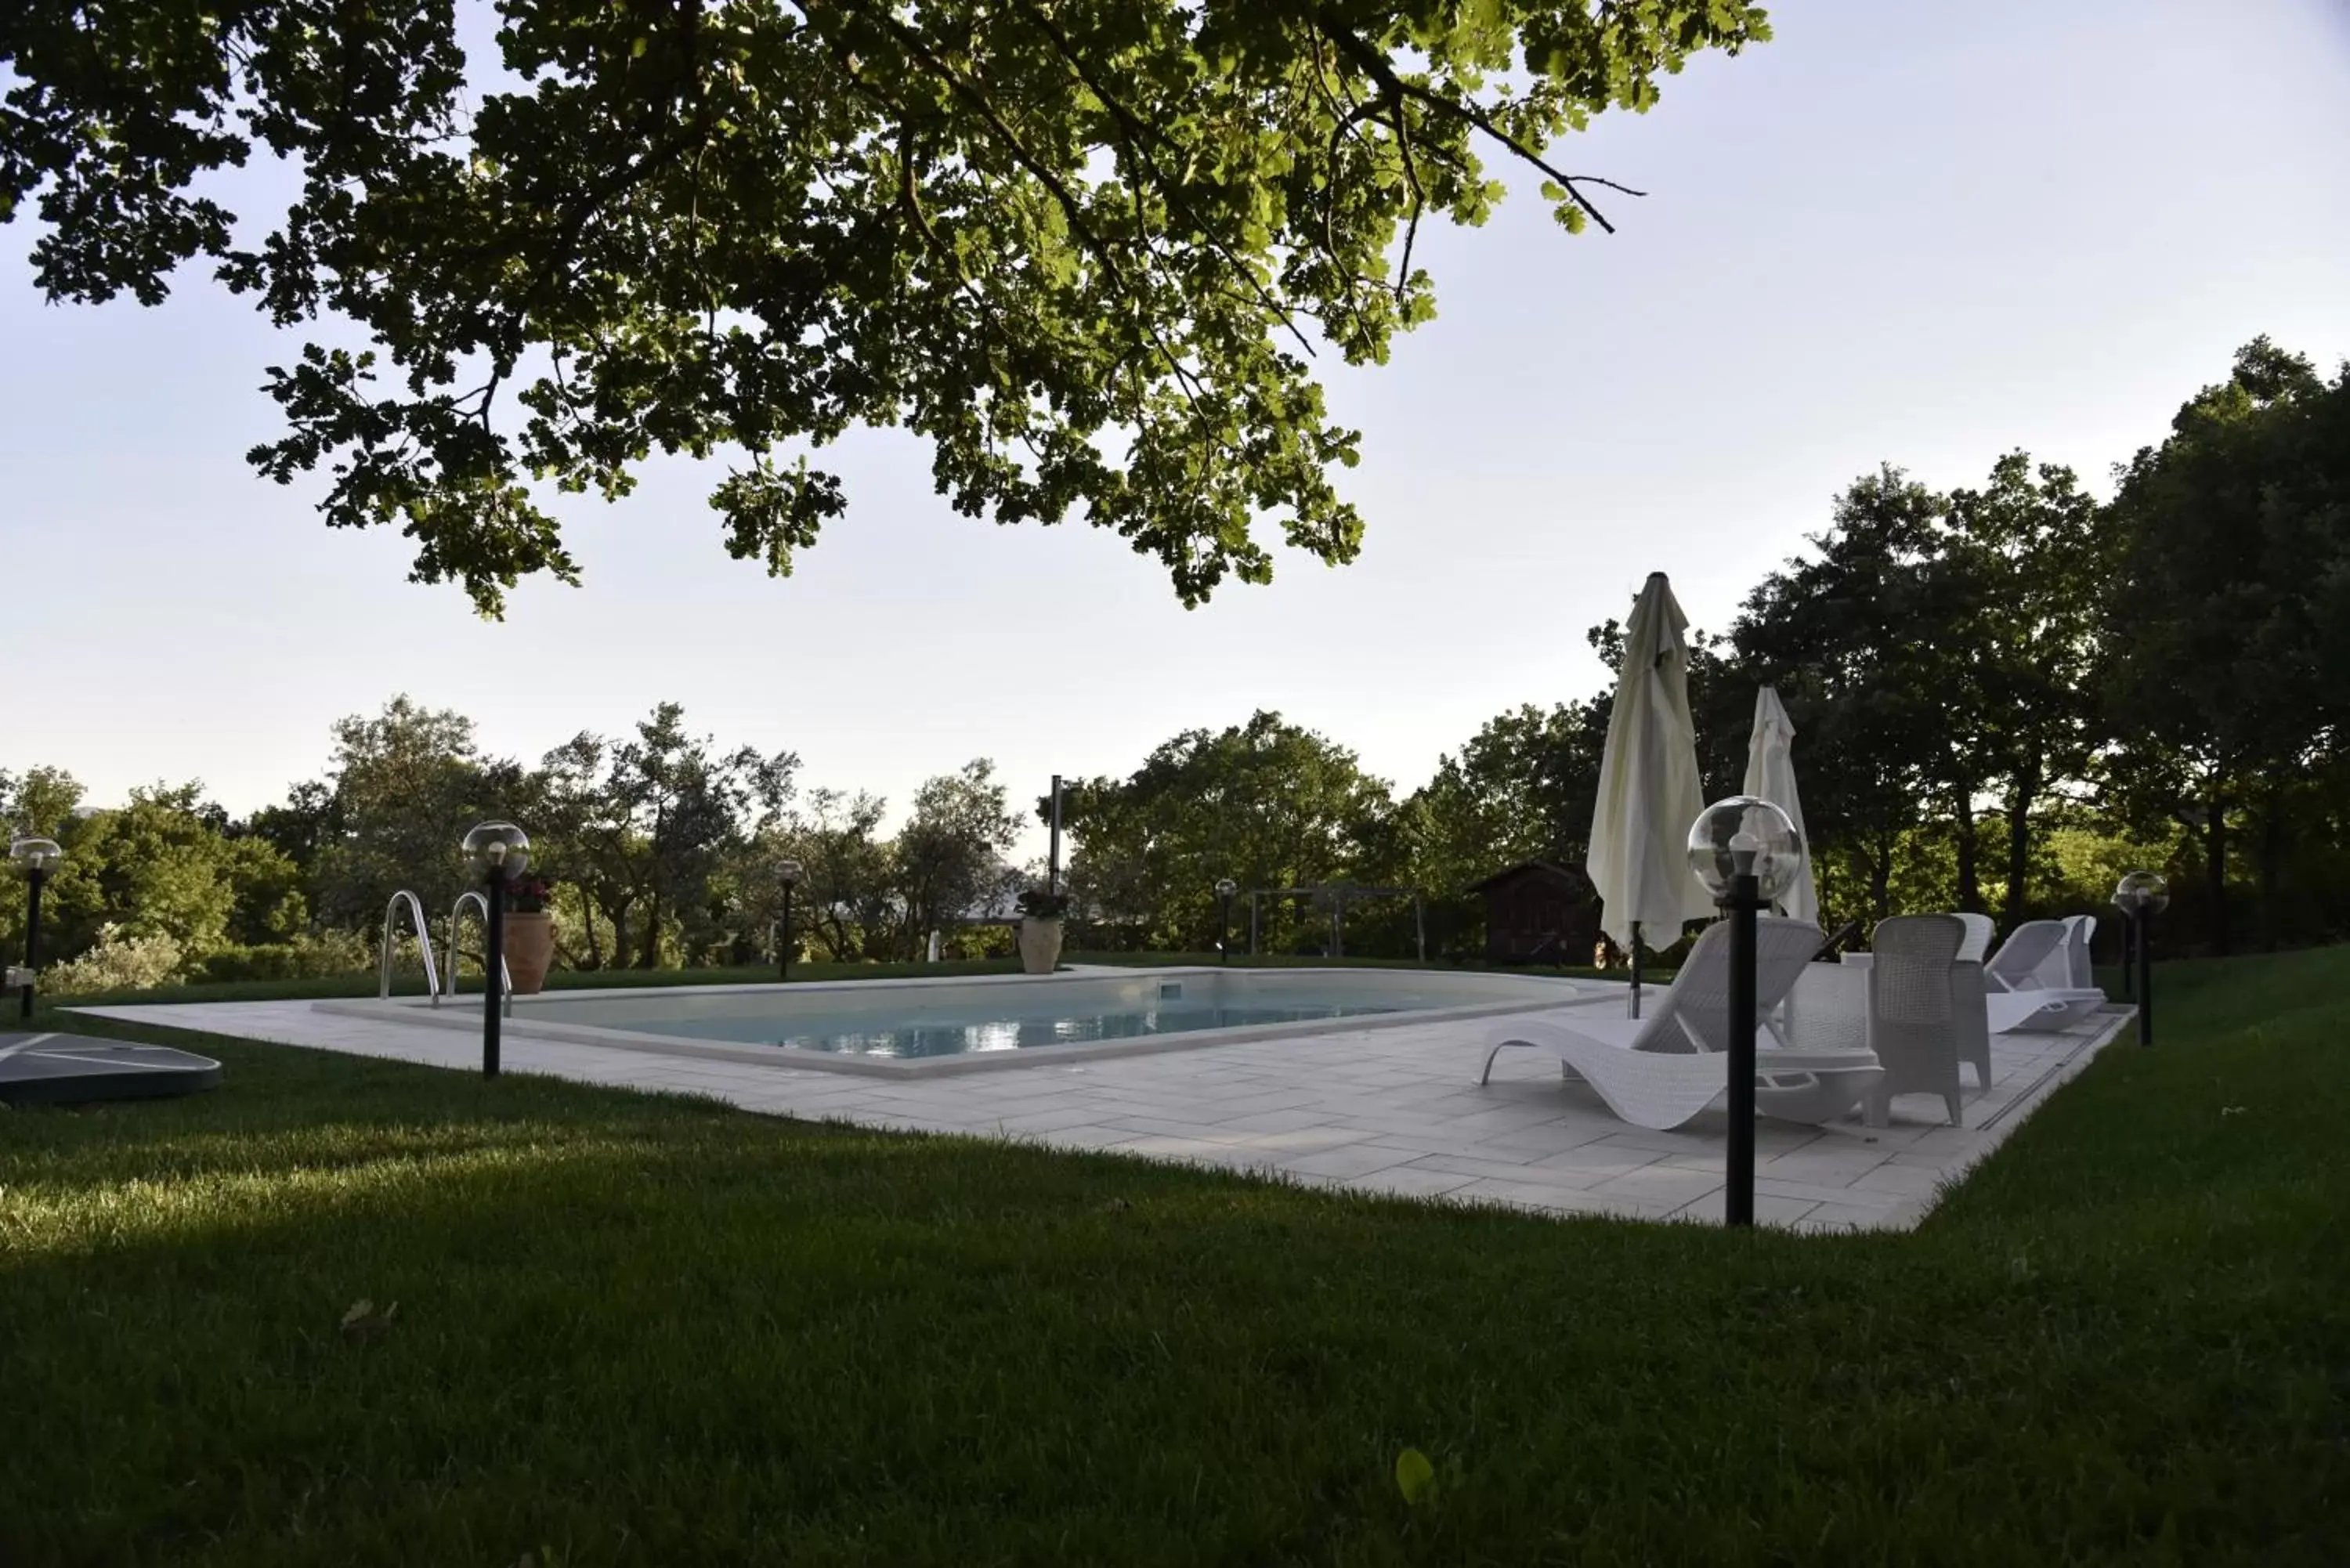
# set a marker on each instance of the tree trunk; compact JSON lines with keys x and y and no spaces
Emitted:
{"x":2023,"y":791}
{"x":2272,"y":859}
{"x":1880,"y":881}
{"x":2215,"y":871}
{"x":649,"y":949}
{"x":1962,"y":813}
{"x":588,"y":912}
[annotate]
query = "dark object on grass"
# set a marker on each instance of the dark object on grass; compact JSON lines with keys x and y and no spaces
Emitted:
{"x":73,"y":1069}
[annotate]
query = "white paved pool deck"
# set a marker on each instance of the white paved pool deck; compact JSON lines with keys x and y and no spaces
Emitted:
{"x":1391,"y":1110}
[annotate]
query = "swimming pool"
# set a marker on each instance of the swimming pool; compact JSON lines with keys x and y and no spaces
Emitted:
{"x":957,"y":1024}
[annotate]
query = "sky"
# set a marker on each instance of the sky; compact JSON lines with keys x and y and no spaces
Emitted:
{"x":1901,"y":232}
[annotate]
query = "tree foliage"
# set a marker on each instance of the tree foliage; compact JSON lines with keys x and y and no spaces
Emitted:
{"x":1085,"y":248}
{"x":1267,"y":803}
{"x":2225,"y":645}
{"x":2002,"y":691}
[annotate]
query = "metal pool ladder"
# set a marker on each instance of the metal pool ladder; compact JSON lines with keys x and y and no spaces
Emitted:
{"x":505,"y":975}
{"x":424,"y":944}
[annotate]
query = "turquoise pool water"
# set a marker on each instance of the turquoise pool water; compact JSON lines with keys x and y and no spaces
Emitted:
{"x":973,"y":1029}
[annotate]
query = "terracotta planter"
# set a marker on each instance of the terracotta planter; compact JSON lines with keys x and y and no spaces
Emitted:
{"x":530,"y":949}
{"x":1040,"y":945}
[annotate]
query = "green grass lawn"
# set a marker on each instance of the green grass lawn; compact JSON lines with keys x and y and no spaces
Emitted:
{"x":641,"y":1329}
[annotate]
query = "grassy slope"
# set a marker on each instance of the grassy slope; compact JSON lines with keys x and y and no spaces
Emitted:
{"x":643,"y":1330}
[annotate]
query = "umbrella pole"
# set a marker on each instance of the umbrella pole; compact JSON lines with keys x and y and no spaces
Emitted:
{"x":1636,"y":969}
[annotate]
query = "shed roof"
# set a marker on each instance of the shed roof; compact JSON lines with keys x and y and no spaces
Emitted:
{"x":1550,"y":868}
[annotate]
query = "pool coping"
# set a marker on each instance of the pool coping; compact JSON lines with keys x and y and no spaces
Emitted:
{"x":466,"y":1015}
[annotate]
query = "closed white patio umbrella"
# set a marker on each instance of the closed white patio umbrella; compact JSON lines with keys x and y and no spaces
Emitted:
{"x":1770,"y":775}
{"x":1649,"y":787}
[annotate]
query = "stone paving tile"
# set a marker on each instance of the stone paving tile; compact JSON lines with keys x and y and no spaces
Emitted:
{"x":1351,"y":1161}
{"x":1818,"y":1193}
{"x":1459,"y":1147}
{"x":1557,"y":1201}
{"x":1299,"y":1141}
{"x":1902,"y":1180}
{"x":1654,"y":1142}
{"x":1547,"y":1139}
{"x":1409,"y":1181}
{"x":1837,"y":1169}
{"x":1292,"y":1119}
{"x":1769,"y":1210}
{"x":1603,"y":1157}
{"x":1083,"y":1139}
{"x":1663,"y":1184}
{"x":1195,"y":1151}
{"x":1839,"y":1134}
{"x":1046,"y":1121}
{"x":1395,"y":1110}
{"x":1574,"y":1180}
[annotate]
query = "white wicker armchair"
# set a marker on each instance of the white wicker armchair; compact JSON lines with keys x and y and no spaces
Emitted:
{"x":1913,"y":1011}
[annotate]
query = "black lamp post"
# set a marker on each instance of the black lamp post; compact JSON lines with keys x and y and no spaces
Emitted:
{"x":37,"y":857}
{"x":1747,"y":851}
{"x":2129,"y":952}
{"x":788,"y":872}
{"x":1225,"y":888}
{"x":1053,"y":851}
{"x":499,"y":851}
{"x":2141,"y":896}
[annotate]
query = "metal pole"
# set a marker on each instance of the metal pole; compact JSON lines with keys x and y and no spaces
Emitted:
{"x":1737,"y":1196}
{"x":1223,"y":928}
{"x":784,"y":947}
{"x":1052,"y":856}
{"x":1252,"y":925}
{"x":1338,"y":928}
{"x":1419,"y":926}
{"x":494,"y":969}
{"x":1636,"y":969}
{"x":33,"y":880}
{"x":2130,"y":957}
{"x":2142,"y":929}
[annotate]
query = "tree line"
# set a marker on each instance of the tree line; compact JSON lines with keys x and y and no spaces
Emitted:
{"x":2006,"y":695}
{"x":659,"y":849}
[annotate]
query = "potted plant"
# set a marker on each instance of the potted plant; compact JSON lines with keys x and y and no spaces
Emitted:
{"x":529,"y":932}
{"x":1040,"y":930}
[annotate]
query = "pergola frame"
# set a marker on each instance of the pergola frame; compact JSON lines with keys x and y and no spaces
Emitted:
{"x":1338,"y":895}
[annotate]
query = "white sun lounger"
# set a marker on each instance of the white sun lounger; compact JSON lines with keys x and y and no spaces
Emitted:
{"x":1661,"y":1070}
{"x":2017,"y":979}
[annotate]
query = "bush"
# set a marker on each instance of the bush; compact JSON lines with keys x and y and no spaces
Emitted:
{"x":308,"y":957}
{"x":117,"y":963}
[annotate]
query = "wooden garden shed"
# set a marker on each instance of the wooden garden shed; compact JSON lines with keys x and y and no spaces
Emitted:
{"x":1539,"y":912}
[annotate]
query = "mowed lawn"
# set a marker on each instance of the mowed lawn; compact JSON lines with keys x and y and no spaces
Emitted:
{"x":646,"y":1330}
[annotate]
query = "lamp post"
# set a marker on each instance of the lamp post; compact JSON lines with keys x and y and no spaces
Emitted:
{"x":1747,"y":851}
{"x":1225,"y":888}
{"x":789,"y":872}
{"x":1053,"y":853}
{"x":2141,"y":896}
{"x":499,"y":851}
{"x":2130,"y":955}
{"x":36,"y":857}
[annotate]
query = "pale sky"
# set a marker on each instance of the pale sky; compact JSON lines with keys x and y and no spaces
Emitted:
{"x":1903,"y":231}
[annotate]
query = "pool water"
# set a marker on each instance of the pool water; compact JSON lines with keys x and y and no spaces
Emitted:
{"x":898,"y":1026}
{"x":1005,"y":1028}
